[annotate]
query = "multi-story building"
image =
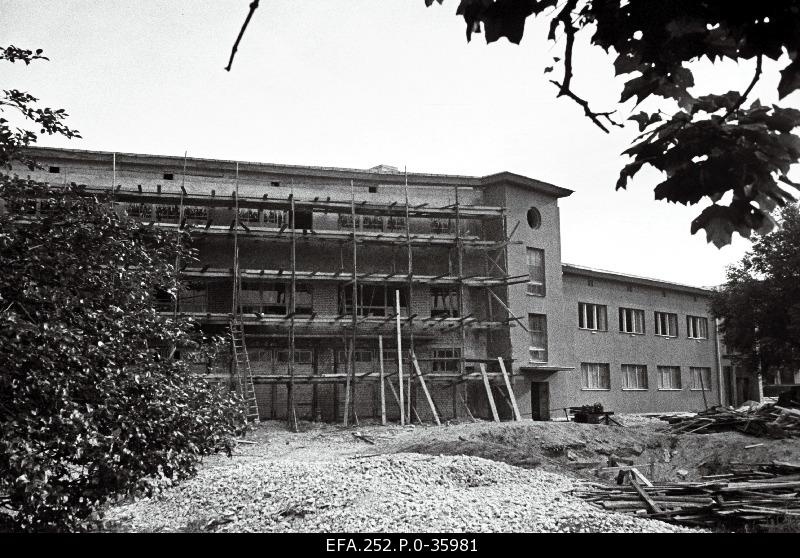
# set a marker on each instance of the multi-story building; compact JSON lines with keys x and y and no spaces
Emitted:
{"x":327,"y":255}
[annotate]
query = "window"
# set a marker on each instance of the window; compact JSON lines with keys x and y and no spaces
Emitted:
{"x":301,"y":356}
{"x":194,"y":214}
{"x":666,"y":324}
{"x":395,"y":223}
{"x":194,"y":297}
{"x":247,"y":215}
{"x":440,"y":226}
{"x":537,"y":324}
{"x":592,"y":316}
{"x":372,"y":223}
{"x":701,"y":378}
{"x":169,"y":176}
{"x":140,"y":210}
{"x":167,"y":213}
{"x":259,"y":357}
{"x":696,"y":327}
{"x":389,"y":355}
{"x":263,"y":298}
{"x":536,"y":271}
{"x":345,"y":221}
{"x":277,"y":218}
{"x":534,"y":218}
{"x":303,"y":219}
{"x":669,"y":378}
{"x":595,"y":375}
{"x":444,"y":302}
{"x":634,"y":376}
{"x":449,"y":360}
{"x":631,"y":320}
{"x":54,"y":170}
{"x":303,"y":300}
{"x":373,"y":189}
{"x":359,"y":355}
{"x":373,"y":300}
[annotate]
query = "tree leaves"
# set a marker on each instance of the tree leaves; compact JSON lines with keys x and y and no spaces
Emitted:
{"x":89,"y":406}
{"x":758,"y":302}
{"x":500,"y":18}
{"x":790,"y":77}
{"x":728,"y":149}
{"x":644,"y":119}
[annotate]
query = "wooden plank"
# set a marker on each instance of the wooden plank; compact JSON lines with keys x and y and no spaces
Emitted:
{"x":466,"y":407}
{"x":641,"y":477}
{"x":489,"y":392}
{"x":425,"y":389}
{"x":511,"y":395}
{"x":651,"y":505}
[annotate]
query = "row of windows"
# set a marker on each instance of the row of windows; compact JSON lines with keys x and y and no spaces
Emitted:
{"x":447,"y":358}
{"x":632,"y":320}
{"x":597,"y":376}
{"x":273,"y":299}
{"x":278,"y":218}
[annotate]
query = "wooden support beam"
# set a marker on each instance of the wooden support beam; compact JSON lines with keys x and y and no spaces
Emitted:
{"x":510,"y":313}
{"x":425,"y":390}
{"x":489,"y":392}
{"x":383,"y":393}
{"x":511,"y":395}
{"x":651,"y":505}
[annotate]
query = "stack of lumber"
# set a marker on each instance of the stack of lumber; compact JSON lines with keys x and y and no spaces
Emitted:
{"x":768,"y":494}
{"x":769,"y":420}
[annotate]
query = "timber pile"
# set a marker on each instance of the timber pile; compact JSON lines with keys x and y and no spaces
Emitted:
{"x":769,"y":494}
{"x":771,"y":421}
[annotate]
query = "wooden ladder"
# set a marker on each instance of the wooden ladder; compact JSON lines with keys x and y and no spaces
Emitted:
{"x":242,"y":370}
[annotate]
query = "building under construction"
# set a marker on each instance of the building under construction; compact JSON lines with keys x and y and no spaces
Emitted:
{"x":353,"y":294}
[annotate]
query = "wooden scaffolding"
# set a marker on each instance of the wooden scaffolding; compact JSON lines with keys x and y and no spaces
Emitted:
{"x":354,"y":327}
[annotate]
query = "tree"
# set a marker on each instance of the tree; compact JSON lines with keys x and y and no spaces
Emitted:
{"x":705,"y":146}
{"x":760,"y":302}
{"x":91,"y":403}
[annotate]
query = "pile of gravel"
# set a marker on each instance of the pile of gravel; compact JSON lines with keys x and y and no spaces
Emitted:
{"x":383,"y":493}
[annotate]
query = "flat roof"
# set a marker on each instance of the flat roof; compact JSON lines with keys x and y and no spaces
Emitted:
{"x":362,"y":176}
{"x":571,"y":269}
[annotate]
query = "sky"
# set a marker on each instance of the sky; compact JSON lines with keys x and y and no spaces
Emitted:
{"x":357,"y":83}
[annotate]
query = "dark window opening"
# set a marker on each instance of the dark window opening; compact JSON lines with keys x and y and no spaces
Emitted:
{"x":534,"y":218}
{"x":303,"y":219}
{"x":373,"y":189}
{"x":444,"y":302}
{"x":169,"y":176}
{"x":373,"y":300}
{"x":55,"y":170}
{"x":275,"y":183}
{"x":446,"y":360}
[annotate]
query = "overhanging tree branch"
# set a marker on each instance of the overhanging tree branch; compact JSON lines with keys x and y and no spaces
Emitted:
{"x":564,"y":17}
{"x":747,"y":91}
{"x":253,"y":8}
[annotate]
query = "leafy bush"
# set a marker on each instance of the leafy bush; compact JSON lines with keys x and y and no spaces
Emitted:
{"x":91,"y":405}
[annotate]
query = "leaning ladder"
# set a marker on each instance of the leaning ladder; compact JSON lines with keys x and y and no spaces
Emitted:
{"x":243,"y":372}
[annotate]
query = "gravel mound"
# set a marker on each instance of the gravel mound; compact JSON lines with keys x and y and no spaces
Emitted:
{"x":382,"y":493}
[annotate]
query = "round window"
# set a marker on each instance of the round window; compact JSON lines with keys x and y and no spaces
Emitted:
{"x":534,"y":218}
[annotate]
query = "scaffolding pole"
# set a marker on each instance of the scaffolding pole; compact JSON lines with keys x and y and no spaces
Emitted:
{"x":290,"y":410}
{"x":410,"y":288}
{"x":460,"y":257}
{"x":349,"y":395}
{"x":400,"y":359}
{"x":180,"y":228}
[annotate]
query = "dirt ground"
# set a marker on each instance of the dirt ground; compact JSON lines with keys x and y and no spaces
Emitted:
{"x":585,"y":450}
{"x":478,"y":476}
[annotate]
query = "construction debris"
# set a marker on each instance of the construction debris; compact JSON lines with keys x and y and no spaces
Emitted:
{"x":769,"y":420}
{"x":743,"y":497}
